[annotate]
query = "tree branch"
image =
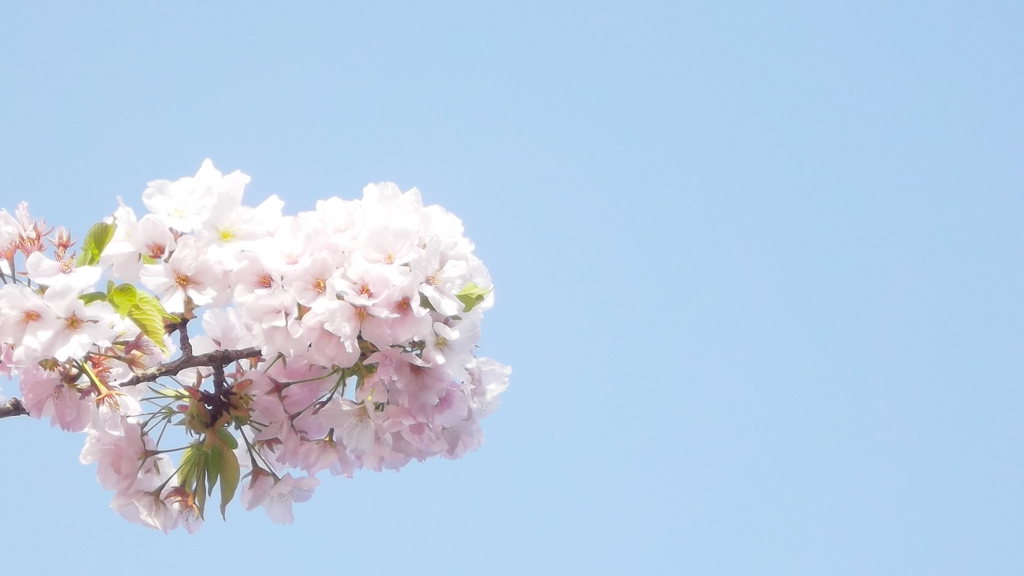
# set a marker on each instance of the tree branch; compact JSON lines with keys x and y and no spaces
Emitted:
{"x":217,"y":357}
{"x":12,"y":407}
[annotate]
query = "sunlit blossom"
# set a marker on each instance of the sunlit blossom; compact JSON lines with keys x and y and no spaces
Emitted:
{"x":210,"y":341}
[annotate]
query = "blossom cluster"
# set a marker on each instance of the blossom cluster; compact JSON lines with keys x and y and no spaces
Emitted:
{"x":332,"y":340}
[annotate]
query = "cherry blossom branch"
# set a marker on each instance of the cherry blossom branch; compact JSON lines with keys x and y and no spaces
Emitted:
{"x":217,"y":357}
{"x":12,"y":407}
{"x":75,"y":329}
{"x":182,"y":327}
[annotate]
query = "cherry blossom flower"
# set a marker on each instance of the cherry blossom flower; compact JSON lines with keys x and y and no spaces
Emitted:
{"x":58,"y":274}
{"x":209,"y":341}
{"x":276,"y":495}
{"x":27,"y":321}
{"x":186,"y":275}
{"x":47,"y":395}
{"x":187,"y":203}
{"x":77,"y":327}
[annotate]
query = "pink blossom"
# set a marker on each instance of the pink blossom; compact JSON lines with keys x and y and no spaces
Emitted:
{"x":27,"y":320}
{"x":119,"y":457}
{"x":46,"y":395}
{"x":60,"y":274}
{"x":277,"y":496}
{"x":77,"y":327}
{"x":187,"y":204}
{"x":367,"y":353}
{"x":186,"y":275}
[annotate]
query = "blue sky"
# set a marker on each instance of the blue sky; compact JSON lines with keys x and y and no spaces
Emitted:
{"x":758,"y":270}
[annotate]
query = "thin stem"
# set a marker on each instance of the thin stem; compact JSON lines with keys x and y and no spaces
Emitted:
{"x":183,"y":341}
{"x":222,"y":357}
{"x":12,"y":407}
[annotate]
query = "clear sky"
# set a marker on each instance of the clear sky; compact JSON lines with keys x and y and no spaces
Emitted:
{"x":759,"y":270}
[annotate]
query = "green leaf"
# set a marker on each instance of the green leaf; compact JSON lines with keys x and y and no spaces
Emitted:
{"x":193,"y":472}
{"x":230,"y":474}
{"x":122,"y":297}
{"x":144,"y":310}
{"x":149,"y":315}
{"x":193,"y":461}
{"x":221,"y":465}
{"x":95,"y":241}
{"x":214,"y":463}
{"x":171,"y":393}
{"x":200,"y":494}
{"x":93,"y":297}
{"x":227,"y":438}
{"x":471,"y":295}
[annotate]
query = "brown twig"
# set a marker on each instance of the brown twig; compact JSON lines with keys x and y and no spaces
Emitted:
{"x":12,"y":407}
{"x":217,"y":357}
